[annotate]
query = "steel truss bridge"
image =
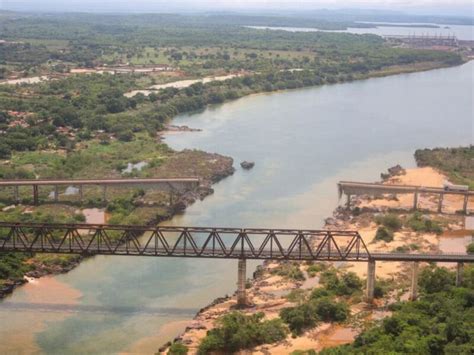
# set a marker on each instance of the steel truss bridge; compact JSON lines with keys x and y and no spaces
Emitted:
{"x":220,"y":243}
{"x":200,"y":242}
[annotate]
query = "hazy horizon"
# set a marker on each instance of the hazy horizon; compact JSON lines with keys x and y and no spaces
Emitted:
{"x":411,"y":7}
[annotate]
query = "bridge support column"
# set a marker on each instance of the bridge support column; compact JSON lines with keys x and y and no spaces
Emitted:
{"x":241,"y":278}
{"x":415,"y":200}
{"x":464,"y":207}
{"x":459,"y":273}
{"x":414,"y":282}
{"x":16,"y":194}
{"x":104,"y":193}
{"x":81,"y":193}
{"x":370,"y":281}
{"x":348,"y":202}
{"x":35,"y":195}
{"x":440,"y":203}
{"x":56,"y":193}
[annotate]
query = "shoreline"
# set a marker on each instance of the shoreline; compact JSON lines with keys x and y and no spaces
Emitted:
{"x":222,"y":168}
{"x":267,"y":291}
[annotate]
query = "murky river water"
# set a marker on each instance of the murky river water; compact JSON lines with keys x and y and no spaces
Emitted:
{"x":302,"y":142}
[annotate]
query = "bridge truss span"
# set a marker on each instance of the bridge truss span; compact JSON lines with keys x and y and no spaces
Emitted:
{"x":228,"y":243}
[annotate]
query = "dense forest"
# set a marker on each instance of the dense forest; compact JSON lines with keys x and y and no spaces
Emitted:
{"x":87,"y":40}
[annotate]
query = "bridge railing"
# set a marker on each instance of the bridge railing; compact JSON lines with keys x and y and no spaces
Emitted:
{"x":183,"y":241}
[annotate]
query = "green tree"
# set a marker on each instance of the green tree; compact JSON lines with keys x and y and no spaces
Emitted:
{"x":236,"y":331}
{"x":178,"y":349}
{"x":436,"y":279}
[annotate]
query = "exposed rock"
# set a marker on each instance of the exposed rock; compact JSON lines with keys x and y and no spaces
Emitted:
{"x":396,"y":170}
{"x":8,"y":208}
{"x":247,"y":164}
{"x":393,"y":171}
{"x":164,"y":347}
{"x":174,"y":128}
{"x":9,"y":285}
{"x":195,"y":326}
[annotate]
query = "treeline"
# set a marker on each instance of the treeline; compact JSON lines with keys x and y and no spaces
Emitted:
{"x":95,"y":103}
{"x":457,"y":163}
{"x":440,"y":322}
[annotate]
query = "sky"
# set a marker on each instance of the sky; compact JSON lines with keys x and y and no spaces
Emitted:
{"x":443,"y":7}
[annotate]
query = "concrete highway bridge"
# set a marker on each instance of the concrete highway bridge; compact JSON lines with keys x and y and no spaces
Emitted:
{"x":170,"y":185}
{"x":218,"y":243}
{"x":350,"y":188}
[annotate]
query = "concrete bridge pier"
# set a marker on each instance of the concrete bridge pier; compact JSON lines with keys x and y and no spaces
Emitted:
{"x":35,"y":194}
{"x":16,"y":194}
{"x":440,"y":203}
{"x":370,"y":281}
{"x":81,"y":193}
{"x":459,"y":274}
{"x":241,"y":278}
{"x":464,"y":207}
{"x":414,"y":282}
{"x":415,"y":200}
{"x":56,"y":193}
{"x":348,"y":202}
{"x":104,"y":193}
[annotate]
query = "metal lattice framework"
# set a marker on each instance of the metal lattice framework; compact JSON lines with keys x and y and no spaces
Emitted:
{"x":200,"y":242}
{"x":227,"y":243}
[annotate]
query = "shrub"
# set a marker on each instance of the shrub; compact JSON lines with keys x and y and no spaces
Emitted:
{"x":381,"y":288}
{"x":79,"y":217}
{"x":384,"y":234}
{"x":436,"y":279}
{"x":289,"y":270}
{"x":12,"y":266}
{"x":297,"y":295}
{"x":350,"y":283}
{"x":418,"y":223}
{"x":346,"y":285}
{"x":470,"y":248}
{"x":315,"y":268}
{"x":299,"y":318}
{"x":236,"y":331}
{"x":178,"y":349}
{"x":318,"y":293}
{"x":389,"y":221}
{"x":331,"y":311}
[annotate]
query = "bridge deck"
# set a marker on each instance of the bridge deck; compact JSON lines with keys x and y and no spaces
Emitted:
{"x":363,"y":188}
{"x":197,"y":242}
{"x":75,"y":182}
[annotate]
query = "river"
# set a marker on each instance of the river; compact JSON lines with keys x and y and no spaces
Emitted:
{"x":302,"y":141}
{"x":462,"y":32}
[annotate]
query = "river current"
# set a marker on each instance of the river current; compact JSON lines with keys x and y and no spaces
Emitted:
{"x":302,"y":141}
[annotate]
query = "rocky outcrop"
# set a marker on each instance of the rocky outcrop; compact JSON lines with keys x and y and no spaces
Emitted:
{"x":8,"y":286}
{"x":393,"y":171}
{"x":247,"y":164}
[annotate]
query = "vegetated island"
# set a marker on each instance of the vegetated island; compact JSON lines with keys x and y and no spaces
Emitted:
{"x":79,"y":124}
{"x":308,"y":308}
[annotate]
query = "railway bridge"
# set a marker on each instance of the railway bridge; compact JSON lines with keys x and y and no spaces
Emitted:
{"x":217,"y":243}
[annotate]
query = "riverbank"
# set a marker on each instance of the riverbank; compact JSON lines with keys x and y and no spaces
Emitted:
{"x":149,"y":207}
{"x":271,"y":290}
